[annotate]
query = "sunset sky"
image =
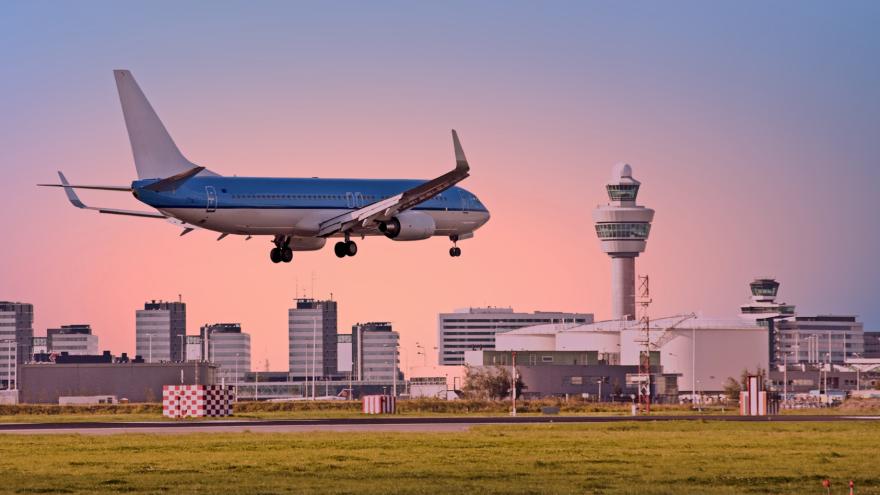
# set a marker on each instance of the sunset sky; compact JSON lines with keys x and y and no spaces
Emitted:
{"x":754,"y":128}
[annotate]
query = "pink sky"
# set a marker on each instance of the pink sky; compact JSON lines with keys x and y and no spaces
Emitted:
{"x":756,"y":159}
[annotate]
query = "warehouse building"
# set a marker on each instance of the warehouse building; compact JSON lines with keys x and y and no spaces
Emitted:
{"x":45,"y":383}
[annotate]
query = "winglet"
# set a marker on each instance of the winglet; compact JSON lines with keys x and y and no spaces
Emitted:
{"x":461,"y":162}
{"x":71,"y":194}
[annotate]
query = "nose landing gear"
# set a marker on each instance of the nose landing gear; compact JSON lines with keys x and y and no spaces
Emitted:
{"x":454,"y":251}
{"x":281,"y":252}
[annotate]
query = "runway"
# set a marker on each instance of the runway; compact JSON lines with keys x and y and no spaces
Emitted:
{"x":374,"y":424}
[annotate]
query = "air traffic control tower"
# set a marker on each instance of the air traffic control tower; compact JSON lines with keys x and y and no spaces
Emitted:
{"x":623,"y":229}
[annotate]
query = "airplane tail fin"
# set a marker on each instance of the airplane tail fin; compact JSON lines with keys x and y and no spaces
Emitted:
{"x":155,"y":154}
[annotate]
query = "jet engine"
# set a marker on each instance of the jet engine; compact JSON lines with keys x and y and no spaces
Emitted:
{"x":307,"y":243}
{"x":408,"y":226}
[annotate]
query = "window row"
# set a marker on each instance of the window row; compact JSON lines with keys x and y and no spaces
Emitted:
{"x":623,"y":230}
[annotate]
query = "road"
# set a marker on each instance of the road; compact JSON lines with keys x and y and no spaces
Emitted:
{"x":381,"y":423}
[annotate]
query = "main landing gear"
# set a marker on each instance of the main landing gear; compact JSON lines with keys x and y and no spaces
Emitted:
{"x":454,"y":251}
{"x":345,"y":248}
{"x":281,"y":252}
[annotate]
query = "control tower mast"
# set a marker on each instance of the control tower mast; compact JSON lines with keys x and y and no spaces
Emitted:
{"x":623,"y":229}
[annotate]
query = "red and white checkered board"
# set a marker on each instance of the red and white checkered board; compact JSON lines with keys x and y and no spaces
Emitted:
{"x":183,"y":401}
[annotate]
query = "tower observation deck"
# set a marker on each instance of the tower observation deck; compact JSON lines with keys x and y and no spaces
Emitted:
{"x":623,"y":228}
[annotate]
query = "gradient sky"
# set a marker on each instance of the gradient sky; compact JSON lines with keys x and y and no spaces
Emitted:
{"x":753,"y":126}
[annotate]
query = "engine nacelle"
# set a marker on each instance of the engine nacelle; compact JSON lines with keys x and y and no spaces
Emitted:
{"x":307,"y":243}
{"x":409,"y":226}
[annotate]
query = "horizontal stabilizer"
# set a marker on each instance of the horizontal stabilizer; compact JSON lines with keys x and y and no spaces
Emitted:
{"x":75,"y":201}
{"x":99,"y":188}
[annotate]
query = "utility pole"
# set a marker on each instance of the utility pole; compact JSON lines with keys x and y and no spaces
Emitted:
{"x":645,"y":361}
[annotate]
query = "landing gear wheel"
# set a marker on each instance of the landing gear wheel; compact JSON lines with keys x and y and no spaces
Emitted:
{"x":275,"y":255}
{"x":351,"y":248}
{"x":455,"y":251}
{"x":341,"y":249}
{"x":287,"y":255}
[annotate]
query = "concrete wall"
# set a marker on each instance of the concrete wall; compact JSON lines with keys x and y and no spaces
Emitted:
{"x":137,"y":382}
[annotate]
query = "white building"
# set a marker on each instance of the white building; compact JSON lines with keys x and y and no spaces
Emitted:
{"x":704,"y":352}
{"x":312,"y":338}
{"x":229,"y":348}
{"x":476,"y":328}
{"x":195,"y":348}
{"x":344,"y":357}
{"x":160,"y":330}
{"x":75,"y":340}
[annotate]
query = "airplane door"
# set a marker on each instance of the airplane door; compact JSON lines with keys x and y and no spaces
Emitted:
{"x":349,"y":198}
{"x":358,"y":200}
{"x":211,"y":194}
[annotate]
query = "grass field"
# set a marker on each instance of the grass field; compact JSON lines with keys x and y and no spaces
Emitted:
{"x":644,"y":458}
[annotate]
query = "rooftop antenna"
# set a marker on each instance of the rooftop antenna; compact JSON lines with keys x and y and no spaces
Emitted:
{"x":180,"y":298}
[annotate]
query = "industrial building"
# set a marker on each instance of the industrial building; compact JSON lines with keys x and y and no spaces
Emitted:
{"x":623,"y":227}
{"x":160,"y":330}
{"x":375,"y":351}
{"x":702,"y":352}
{"x":226,"y":346}
{"x":470,"y":329}
{"x":45,"y":383}
{"x":72,"y":339}
{"x":312,"y":338}
{"x":16,"y":338}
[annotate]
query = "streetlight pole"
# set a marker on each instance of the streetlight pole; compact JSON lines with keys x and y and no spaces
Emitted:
{"x":314,"y":351}
{"x":513,"y":383}
{"x":150,"y":354}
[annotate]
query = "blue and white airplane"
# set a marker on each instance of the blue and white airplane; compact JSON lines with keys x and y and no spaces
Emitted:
{"x":299,"y":214}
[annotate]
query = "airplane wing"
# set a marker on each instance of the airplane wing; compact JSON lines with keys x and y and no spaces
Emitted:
{"x":75,"y":201}
{"x":388,"y":207}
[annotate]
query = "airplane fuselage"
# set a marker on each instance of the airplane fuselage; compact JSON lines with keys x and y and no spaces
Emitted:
{"x":297,"y":206}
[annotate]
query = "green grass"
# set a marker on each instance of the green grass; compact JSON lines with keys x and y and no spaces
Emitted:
{"x":644,"y":458}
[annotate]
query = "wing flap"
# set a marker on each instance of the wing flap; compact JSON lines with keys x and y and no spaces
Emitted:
{"x":387,"y":208}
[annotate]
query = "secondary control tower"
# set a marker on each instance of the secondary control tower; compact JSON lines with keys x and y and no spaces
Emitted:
{"x":623,"y":227}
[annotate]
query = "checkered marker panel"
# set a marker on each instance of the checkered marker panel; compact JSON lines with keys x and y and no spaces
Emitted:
{"x":196,"y":401}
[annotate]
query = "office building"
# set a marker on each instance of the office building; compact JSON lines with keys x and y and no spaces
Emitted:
{"x":312,"y":338}
{"x":375,"y":351}
{"x":794,"y":338}
{"x":16,"y":338}
{"x":872,"y":345}
{"x":72,"y":339}
{"x":160,"y":331}
{"x":344,"y":357}
{"x":229,"y":348}
{"x":623,"y":228}
{"x":475,"y":328}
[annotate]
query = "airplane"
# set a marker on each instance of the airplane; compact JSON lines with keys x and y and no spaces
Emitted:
{"x":299,"y":213}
